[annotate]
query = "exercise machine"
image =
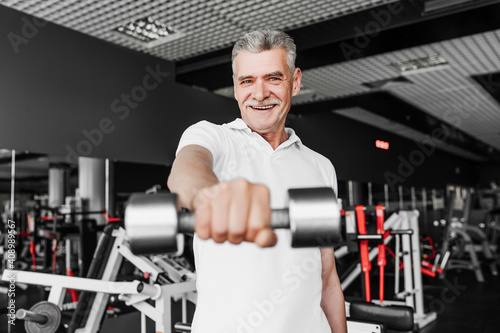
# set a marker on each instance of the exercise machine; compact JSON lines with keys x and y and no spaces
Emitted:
{"x":403,"y":227}
{"x":165,"y":280}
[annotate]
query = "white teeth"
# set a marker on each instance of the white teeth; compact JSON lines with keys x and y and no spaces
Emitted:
{"x":267,"y":107}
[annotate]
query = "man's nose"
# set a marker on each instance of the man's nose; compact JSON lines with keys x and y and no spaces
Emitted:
{"x":260,"y":91}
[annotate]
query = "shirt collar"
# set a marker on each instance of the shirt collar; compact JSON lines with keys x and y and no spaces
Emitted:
{"x":239,"y":124}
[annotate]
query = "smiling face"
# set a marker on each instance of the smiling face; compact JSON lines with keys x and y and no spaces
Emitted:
{"x":264,"y":87}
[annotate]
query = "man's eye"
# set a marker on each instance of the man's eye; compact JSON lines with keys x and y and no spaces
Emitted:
{"x":246,"y":81}
{"x":274,"y":79}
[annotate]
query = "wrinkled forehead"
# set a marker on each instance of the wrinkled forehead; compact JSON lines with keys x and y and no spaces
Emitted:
{"x":261,"y":63}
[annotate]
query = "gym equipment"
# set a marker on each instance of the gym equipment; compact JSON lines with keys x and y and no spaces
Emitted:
{"x":353,"y":326}
{"x":393,"y":317}
{"x":182,"y":327}
{"x":166,"y":280}
{"x":459,"y":238}
{"x":362,"y":318}
{"x":399,"y":226}
{"x":152,"y":221}
{"x":363,"y":249}
{"x":43,"y":317}
{"x":381,"y":261}
{"x":363,"y":246}
{"x":428,"y":268}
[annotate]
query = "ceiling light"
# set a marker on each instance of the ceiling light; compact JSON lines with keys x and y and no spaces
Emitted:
{"x":433,"y":5}
{"x":395,"y":82}
{"x":148,"y":32}
{"x":419,"y":64}
{"x":305,"y":91}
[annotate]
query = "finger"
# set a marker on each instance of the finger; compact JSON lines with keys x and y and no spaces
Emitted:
{"x":203,"y":212}
{"x":220,"y":213}
{"x":203,"y":215}
{"x":259,"y":212}
{"x":266,"y":238}
{"x":238,"y":213}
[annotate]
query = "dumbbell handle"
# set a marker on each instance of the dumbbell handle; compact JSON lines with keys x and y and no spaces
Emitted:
{"x":280,"y":219}
{"x":31,"y":316}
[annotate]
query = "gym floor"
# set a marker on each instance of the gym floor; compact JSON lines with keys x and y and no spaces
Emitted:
{"x":462,"y":304}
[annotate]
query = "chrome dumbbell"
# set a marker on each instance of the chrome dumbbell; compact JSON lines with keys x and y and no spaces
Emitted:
{"x":152,"y":221}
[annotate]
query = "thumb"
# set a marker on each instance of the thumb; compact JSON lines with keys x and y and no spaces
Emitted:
{"x":266,"y":238}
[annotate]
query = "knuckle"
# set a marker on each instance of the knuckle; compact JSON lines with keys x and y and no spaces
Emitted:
{"x":219,"y":231}
{"x":236,"y":241}
{"x":237,"y":233}
{"x":202,"y":224}
{"x":253,"y":229}
{"x":218,"y":237}
{"x":262,"y":192}
{"x":240,"y":184}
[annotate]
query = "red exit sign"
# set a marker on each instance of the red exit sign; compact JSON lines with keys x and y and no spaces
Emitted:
{"x":382,"y":144}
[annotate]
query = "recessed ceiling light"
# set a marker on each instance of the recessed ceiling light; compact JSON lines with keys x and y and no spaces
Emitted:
{"x":395,"y":82}
{"x":419,"y":64}
{"x":148,"y":32}
{"x":305,"y":91}
{"x":434,"y":5}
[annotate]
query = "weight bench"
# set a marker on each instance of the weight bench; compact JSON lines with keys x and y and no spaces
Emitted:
{"x":363,"y":318}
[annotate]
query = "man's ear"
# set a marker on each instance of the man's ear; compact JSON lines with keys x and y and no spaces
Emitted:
{"x":234,"y":87}
{"x":297,"y":78}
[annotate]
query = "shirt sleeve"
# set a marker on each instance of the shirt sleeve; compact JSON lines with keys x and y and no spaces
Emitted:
{"x":203,"y":134}
{"x":334,"y":181}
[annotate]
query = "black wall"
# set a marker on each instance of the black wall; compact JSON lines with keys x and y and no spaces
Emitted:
{"x":351,"y":148}
{"x":61,"y":84}
{"x":489,"y":172}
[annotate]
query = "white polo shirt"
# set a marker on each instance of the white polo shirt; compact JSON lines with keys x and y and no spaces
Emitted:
{"x":244,"y":288}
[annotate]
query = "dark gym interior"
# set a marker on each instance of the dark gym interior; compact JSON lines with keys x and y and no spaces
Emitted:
{"x":402,"y":96}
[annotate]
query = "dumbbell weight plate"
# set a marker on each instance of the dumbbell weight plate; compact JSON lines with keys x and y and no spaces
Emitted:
{"x":314,"y":217}
{"x":53,"y":314}
{"x":151,"y":223}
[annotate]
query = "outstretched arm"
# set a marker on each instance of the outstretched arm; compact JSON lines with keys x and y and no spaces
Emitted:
{"x":191,"y":171}
{"x":233,"y":211}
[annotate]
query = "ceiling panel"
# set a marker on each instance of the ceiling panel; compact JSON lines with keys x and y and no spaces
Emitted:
{"x":207,"y":25}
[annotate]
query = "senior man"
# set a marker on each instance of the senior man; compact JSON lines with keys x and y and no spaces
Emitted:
{"x":249,"y":278}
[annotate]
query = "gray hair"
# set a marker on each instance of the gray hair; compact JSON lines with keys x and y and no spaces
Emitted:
{"x":264,"y":40}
